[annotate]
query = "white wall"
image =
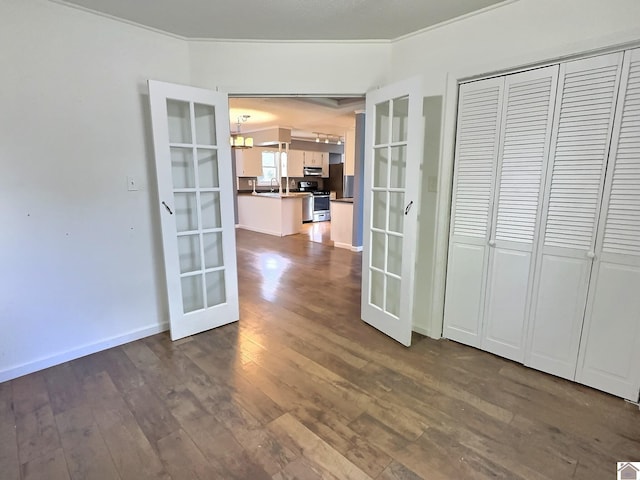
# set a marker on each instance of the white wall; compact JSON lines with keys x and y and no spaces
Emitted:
{"x":522,"y":33}
{"x":79,"y":267}
{"x":289,"y":68}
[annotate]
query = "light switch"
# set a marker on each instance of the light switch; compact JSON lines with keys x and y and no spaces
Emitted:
{"x":132,"y":183}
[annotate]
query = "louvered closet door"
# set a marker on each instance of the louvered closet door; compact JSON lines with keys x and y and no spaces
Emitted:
{"x":527,"y":116}
{"x":610,"y":348}
{"x":580,"y":143}
{"x":477,"y":137}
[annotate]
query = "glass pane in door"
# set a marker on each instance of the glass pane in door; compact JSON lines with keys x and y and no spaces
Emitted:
{"x":216,"y":292}
{"x":377,"y":289}
{"x":382,"y":124}
{"x":210,"y":204}
{"x":380,"y":167}
{"x":179,"y":119}
{"x":186,"y":211}
{"x":378,"y":249}
{"x":208,"y":168}
{"x":400,"y":120}
{"x":398,"y":166}
{"x":182,"y":170}
{"x":212,"y":244}
{"x":205,"y":118}
{"x":192,"y":295}
{"x":189,"y":253}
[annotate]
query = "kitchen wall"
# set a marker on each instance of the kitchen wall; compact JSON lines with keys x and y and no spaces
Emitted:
{"x":521,"y":33}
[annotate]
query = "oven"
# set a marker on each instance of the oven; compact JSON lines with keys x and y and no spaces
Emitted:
{"x":320,"y":210}
{"x":321,"y":207}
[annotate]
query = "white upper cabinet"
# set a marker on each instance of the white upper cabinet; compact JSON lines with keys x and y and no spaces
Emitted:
{"x":295,"y":163}
{"x":249,"y":162}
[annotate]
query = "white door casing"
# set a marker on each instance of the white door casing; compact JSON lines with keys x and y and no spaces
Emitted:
{"x":525,"y":133}
{"x":193,"y":166}
{"x":609,"y":357}
{"x":584,"y":114}
{"x":476,"y":153}
{"x":393,"y":158}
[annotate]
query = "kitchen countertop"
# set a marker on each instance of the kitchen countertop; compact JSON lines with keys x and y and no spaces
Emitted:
{"x":343,"y":200}
{"x":275,"y":194}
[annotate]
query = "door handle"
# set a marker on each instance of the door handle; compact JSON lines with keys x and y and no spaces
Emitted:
{"x":591,"y":254}
{"x":167,"y":207}
{"x":492,"y":243}
{"x":406,"y":210}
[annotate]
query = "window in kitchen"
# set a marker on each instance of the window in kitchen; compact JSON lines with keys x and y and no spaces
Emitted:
{"x":269,"y":169}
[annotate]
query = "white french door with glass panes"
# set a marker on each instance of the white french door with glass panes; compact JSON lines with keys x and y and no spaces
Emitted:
{"x":193,"y":165}
{"x":393,"y":158}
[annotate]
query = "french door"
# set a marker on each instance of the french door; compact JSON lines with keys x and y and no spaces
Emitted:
{"x":393,"y":157}
{"x":195,"y":198}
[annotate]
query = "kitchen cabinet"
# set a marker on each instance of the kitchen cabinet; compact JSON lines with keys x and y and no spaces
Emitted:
{"x":318,"y":159}
{"x":249,"y":162}
{"x":295,"y":163}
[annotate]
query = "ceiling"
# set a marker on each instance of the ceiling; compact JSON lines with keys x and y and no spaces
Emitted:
{"x":286,"y":19}
{"x":305,"y":116}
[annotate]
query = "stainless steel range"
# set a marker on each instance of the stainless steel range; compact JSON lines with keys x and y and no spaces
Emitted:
{"x":320,"y":202}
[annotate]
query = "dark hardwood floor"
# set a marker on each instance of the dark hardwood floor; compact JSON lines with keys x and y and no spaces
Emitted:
{"x":301,"y":388}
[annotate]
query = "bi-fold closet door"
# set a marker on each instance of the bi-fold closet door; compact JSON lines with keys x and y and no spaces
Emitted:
{"x":504,"y":127}
{"x":544,"y":259}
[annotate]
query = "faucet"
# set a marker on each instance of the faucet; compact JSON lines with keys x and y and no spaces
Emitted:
{"x":271,"y":184}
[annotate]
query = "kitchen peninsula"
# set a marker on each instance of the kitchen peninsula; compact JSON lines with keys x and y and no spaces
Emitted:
{"x":271,"y":213}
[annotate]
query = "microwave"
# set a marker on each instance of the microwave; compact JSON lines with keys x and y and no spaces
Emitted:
{"x":312,"y":171}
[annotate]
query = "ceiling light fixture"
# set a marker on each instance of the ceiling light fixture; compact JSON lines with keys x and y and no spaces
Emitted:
{"x":326,"y":140}
{"x":317,"y":137}
{"x":237,"y":140}
{"x":339,"y":141}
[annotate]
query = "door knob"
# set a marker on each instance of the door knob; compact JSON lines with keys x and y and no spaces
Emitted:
{"x":591,"y":254}
{"x":492,"y":243}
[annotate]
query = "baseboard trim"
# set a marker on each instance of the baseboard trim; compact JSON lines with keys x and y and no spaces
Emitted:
{"x":42,"y":363}
{"x":259,"y":230}
{"x":356,"y":249}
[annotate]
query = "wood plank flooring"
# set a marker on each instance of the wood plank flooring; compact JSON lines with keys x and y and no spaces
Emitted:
{"x":300,"y":388}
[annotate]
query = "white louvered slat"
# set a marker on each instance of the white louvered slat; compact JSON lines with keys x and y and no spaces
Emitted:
{"x":586,"y":111}
{"x":475,"y":158}
{"x":622,"y":227}
{"x":526,"y":128}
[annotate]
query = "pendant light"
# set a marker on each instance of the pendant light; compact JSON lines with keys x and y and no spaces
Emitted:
{"x":237,"y":140}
